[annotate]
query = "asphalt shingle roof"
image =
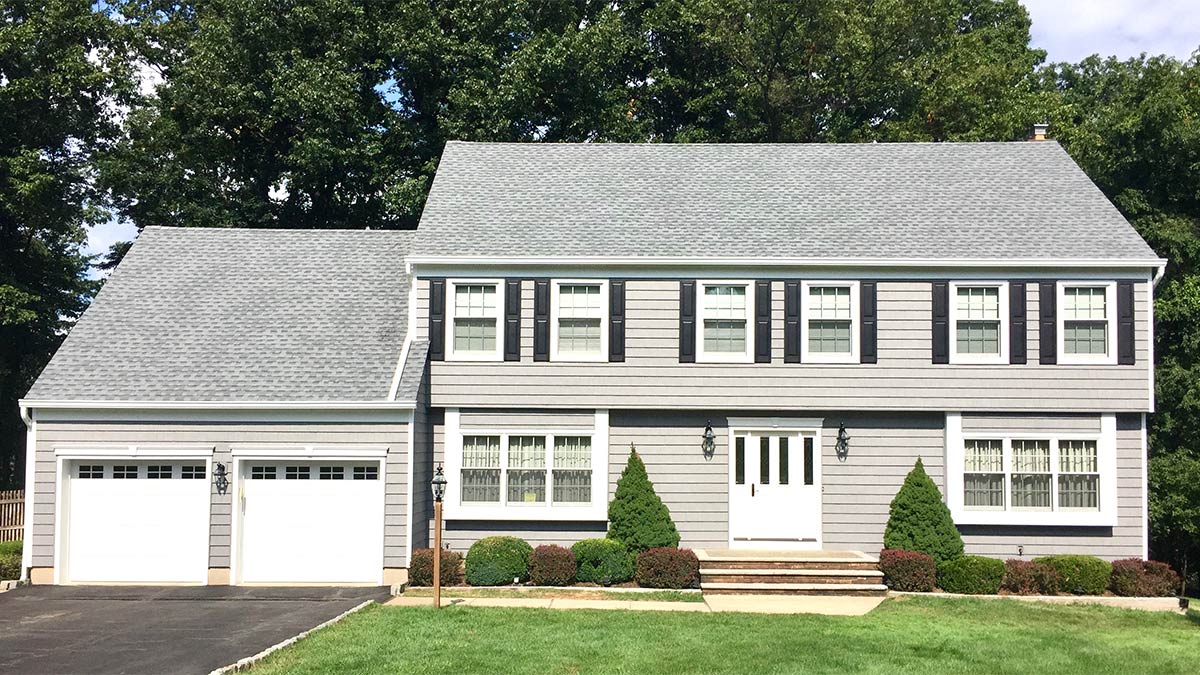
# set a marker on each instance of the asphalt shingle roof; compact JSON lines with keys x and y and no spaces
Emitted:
{"x":197,"y":314}
{"x":994,"y":201}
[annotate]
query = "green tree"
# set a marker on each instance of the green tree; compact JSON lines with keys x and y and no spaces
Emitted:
{"x":637,"y":516}
{"x":918,"y":519}
{"x":63,"y":76}
{"x":1175,"y":511}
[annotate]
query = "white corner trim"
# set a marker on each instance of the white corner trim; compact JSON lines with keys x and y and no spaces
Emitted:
{"x":724,"y":357}
{"x":269,"y":450}
{"x":396,"y":376}
{"x":1144,"y":460}
{"x":30,"y":488}
{"x":408,"y":524}
{"x":555,"y":317}
{"x":1150,"y":403}
{"x":852,"y":356}
{"x":1001,"y":357}
{"x":152,"y":451}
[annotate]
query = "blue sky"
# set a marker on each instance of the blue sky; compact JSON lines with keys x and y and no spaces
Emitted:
{"x":1068,"y":30}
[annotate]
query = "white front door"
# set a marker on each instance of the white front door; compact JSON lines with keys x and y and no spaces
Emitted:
{"x":307,"y":522}
{"x":775,"y":490}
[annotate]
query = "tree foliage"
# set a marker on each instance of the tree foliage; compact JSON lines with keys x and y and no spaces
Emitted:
{"x":637,"y":516}
{"x":918,"y":519}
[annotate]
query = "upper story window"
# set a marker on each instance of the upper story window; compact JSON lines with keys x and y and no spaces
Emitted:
{"x":980,"y":328}
{"x":830,"y":328}
{"x":474,"y":318}
{"x":725,"y":320}
{"x":580,"y":317}
{"x":1086,"y":323}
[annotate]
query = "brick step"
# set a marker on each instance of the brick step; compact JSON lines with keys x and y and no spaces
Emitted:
{"x":745,"y":588}
{"x":791,"y":576}
{"x":769,"y":563}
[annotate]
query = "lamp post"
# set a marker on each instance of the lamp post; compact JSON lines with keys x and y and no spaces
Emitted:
{"x":439,"y":490}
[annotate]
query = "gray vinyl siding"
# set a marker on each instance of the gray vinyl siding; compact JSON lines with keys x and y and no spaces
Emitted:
{"x":904,"y":378}
{"x":221,"y":436}
{"x":520,"y":420}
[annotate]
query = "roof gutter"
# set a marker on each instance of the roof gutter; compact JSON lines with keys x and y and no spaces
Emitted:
{"x":217,"y":405}
{"x":604,"y":261}
{"x":1160,"y":270}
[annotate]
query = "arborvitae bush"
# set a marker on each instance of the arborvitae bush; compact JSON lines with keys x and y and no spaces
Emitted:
{"x":920,"y":521}
{"x":637,"y":517}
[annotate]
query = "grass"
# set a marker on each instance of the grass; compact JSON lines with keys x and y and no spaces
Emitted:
{"x":906,"y":635}
{"x":573,"y":593}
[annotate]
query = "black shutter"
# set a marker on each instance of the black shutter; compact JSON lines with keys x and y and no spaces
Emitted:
{"x":868,"y":331}
{"x":1126,"y":355}
{"x":616,"y":321}
{"x":437,"y":319}
{"x":762,"y":322}
{"x":1017,"y":333}
{"x":1047,"y":323}
{"x":512,"y":319}
{"x":941,"y":322}
{"x":687,"y":321}
{"x":791,"y":322}
{"x":541,"y":320}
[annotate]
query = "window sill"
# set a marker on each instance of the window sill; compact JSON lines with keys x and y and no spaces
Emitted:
{"x":477,"y":357}
{"x":527,"y":512}
{"x":1073,"y":360}
{"x":1037,"y":518}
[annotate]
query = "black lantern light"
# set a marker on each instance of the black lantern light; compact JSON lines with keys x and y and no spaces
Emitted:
{"x":438,"y":484}
{"x":843,"y":442}
{"x":221,"y":478}
{"x":708,"y":441}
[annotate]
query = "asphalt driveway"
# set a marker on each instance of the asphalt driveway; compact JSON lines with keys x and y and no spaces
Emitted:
{"x":140,"y":629}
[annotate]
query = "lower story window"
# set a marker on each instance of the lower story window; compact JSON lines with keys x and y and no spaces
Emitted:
{"x":983,"y":477}
{"x":1078,"y":475}
{"x":1031,"y":474}
{"x":481,"y":469}
{"x":572,"y":470}
{"x":526,"y":469}
{"x":518,"y":470}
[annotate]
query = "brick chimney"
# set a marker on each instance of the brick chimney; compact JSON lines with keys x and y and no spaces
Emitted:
{"x":1039,"y":132}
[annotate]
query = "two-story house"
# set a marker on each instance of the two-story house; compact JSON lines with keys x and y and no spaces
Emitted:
{"x":780,"y":331}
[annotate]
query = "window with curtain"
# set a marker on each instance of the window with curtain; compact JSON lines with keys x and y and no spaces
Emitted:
{"x":572,"y":470}
{"x":983,"y":474}
{"x":1078,"y":475}
{"x":1036,"y":474}
{"x":1031,"y":474}
{"x":481,"y":469}
{"x":526,"y":469}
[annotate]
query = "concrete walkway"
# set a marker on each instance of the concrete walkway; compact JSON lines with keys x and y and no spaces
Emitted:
{"x":752,"y":604}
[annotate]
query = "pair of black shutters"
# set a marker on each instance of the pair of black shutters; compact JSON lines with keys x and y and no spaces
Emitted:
{"x":1047,"y":323}
{"x":763,"y":298}
{"x":541,"y":320}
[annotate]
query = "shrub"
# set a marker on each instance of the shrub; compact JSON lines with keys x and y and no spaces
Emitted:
{"x":497,"y":561}
{"x":552,"y":566}
{"x":920,"y":521}
{"x":1143,"y":578}
{"x":636,"y":516}
{"x":10,"y":547}
{"x":1029,"y":577}
{"x":908,"y":570}
{"x":668,"y":568}
{"x":602,"y":561}
{"x":1081,"y":574}
{"x":10,"y":560}
{"x":971,"y":574}
{"x":420,"y":570}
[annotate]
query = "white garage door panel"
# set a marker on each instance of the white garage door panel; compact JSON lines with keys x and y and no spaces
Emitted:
{"x":312,"y":530}
{"x":138,"y":530}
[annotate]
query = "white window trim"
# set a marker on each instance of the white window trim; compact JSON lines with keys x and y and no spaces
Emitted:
{"x":855,"y":316}
{"x":1110,"y":310}
{"x":451,"y":293}
{"x":602,"y":355}
{"x":1106,"y":464}
{"x":724,"y":357}
{"x":455,"y":509}
{"x":1002,"y":356}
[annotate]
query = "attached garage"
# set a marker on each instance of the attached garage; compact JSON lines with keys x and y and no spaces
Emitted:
{"x":310,"y":521}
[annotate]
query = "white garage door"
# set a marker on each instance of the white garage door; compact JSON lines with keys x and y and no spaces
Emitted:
{"x":311,"y":522}
{"x":137,"y":521}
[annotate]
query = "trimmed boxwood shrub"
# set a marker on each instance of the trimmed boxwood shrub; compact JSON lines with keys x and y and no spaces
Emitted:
{"x":552,"y":565}
{"x":1135,"y":577}
{"x":602,"y":561}
{"x":971,"y":574}
{"x":918,"y":519}
{"x":10,"y":560}
{"x":420,"y":570}
{"x":636,"y":515}
{"x":668,"y":568}
{"x":908,"y":570}
{"x":498,"y":561}
{"x":1029,"y":577}
{"x":1081,"y":574}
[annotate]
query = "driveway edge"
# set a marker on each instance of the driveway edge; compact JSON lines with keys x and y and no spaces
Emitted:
{"x":245,"y":663}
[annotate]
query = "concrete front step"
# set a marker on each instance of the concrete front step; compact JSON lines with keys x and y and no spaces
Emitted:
{"x":748,"y":588}
{"x":783,"y":576}
{"x":753,"y":564}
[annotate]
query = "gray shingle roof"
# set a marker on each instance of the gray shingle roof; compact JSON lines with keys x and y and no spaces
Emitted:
{"x":865,"y":201}
{"x":241,"y":315}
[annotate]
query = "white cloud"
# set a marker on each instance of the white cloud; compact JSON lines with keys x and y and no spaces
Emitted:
{"x":1070,"y":30}
{"x":101,"y":236}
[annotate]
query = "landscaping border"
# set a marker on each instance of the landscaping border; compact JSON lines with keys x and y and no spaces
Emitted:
{"x":1163,"y":604}
{"x":401,"y":588}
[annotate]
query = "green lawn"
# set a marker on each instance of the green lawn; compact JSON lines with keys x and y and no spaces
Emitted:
{"x":582,"y":593}
{"x":921,"y":635}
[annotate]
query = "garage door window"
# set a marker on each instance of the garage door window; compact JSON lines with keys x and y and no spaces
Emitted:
{"x":91,"y":471}
{"x":296,"y":473}
{"x":125,"y":471}
{"x":159,"y":471}
{"x":366,"y":473}
{"x":332,"y":473}
{"x":191,"y":472}
{"x":262,"y":473}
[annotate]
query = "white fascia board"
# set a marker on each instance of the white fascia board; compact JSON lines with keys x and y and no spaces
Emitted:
{"x":317,"y":452}
{"x":149,"y":451}
{"x":852,"y":263}
{"x":217,"y":405}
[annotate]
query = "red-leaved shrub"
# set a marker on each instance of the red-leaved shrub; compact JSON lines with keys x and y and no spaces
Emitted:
{"x":908,"y":570}
{"x":552,"y":565}
{"x":420,"y":570}
{"x":1027,"y":577}
{"x":1143,"y":578}
{"x":667,"y":568}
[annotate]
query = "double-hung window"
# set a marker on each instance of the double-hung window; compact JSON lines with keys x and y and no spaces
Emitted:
{"x":1042,"y":474}
{"x":979,"y":311}
{"x":829,"y":324}
{"x":475,"y":320}
{"x":580,"y":318}
{"x":1086,"y":322}
{"x":724,"y":334}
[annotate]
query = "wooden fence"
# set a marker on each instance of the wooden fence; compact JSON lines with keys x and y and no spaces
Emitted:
{"x":12,"y":515}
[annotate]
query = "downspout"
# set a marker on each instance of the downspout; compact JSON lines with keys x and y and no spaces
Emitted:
{"x":30,"y":456}
{"x":1159,"y":272}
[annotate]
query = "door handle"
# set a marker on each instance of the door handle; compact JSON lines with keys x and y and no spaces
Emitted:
{"x":752,"y":489}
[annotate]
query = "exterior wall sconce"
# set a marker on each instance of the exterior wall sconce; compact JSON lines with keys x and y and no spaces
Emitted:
{"x":221,"y":478}
{"x":843,"y":442}
{"x":708,"y":441}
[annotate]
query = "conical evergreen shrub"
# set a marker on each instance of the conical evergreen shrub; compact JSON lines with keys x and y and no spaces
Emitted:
{"x":920,"y":521}
{"x":636,"y":516}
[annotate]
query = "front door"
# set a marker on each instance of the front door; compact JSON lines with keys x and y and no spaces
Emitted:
{"x":775,"y":490}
